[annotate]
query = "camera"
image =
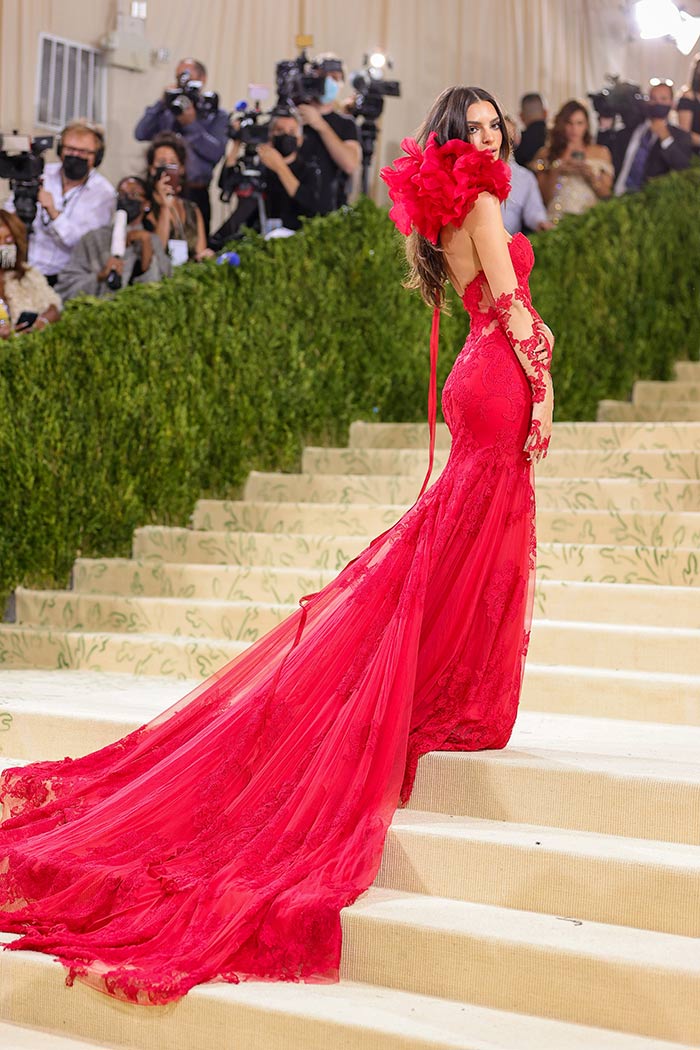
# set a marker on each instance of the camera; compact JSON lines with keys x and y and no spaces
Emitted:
{"x":621,"y":100}
{"x":190,"y":91}
{"x":21,"y":162}
{"x":247,"y":175}
{"x":301,"y":81}
{"x":372,"y":88}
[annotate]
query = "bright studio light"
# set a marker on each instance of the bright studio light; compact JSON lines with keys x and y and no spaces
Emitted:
{"x":687,"y":33}
{"x":659,"y":18}
{"x":377,"y":60}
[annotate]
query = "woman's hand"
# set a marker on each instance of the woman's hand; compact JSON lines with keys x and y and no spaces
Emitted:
{"x":537,"y":443}
{"x":113,"y":263}
{"x":163,"y":192}
{"x":270,"y":157}
{"x":568,"y":166}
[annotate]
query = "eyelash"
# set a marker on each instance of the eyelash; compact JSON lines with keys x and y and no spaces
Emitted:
{"x":496,"y":126}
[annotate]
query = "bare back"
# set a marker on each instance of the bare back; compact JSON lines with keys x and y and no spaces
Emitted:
{"x":462,"y":261}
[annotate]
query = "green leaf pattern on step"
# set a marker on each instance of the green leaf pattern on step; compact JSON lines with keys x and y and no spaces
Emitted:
{"x":616,"y":504}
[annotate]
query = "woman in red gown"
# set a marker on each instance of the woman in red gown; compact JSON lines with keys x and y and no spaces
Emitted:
{"x":222,"y":839}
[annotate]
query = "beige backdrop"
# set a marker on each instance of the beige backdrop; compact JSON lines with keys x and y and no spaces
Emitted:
{"x":560,"y":47}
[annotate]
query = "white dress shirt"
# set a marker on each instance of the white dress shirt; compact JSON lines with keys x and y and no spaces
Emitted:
{"x":85,"y":207}
{"x":524,"y":205}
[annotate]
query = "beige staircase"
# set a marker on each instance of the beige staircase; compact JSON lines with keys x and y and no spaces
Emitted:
{"x":545,"y":896}
{"x":656,"y":401}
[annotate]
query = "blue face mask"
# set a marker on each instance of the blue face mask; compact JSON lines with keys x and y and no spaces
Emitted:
{"x":331,"y":88}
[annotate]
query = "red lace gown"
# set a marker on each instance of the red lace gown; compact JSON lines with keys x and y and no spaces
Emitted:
{"x":221,"y":840}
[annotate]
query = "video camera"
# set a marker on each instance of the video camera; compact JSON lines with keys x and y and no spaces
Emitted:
{"x":190,"y":91}
{"x":372,"y":88}
{"x":301,"y":80}
{"x":21,"y":162}
{"x":623,"y":100}
{"x":247,"y":175}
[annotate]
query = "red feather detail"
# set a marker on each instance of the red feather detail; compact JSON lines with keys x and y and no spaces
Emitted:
{"x":438,"y":185}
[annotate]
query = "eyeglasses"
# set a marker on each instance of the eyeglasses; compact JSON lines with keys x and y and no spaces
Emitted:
{"x":75,"y":151}
{"x":658,"y":81}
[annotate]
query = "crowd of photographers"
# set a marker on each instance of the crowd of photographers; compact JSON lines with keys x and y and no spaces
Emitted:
{"x":560,"y":169}
{"x":65,"y":232}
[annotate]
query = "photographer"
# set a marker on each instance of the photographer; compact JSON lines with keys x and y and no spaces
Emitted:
{"x":73,"y":199}
{"x":331,"y":139}
{"x":187,"y":109}
{"x":92,"y":266}
{"x":177,"y":222}
{"x":291,"y":185}
{"x":653,"y":147}
{"x":27,"y":303}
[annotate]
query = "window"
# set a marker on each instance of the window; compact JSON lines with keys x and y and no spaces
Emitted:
{"x":71,"y":83}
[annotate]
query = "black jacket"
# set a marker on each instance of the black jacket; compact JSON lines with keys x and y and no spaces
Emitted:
{"x":660,"y":161}
{"x":532,"y":140}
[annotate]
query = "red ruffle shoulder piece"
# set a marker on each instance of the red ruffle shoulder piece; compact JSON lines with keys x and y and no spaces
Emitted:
{"x":438,"y":185}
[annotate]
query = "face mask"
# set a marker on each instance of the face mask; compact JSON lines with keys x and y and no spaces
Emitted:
{"x":75,"y":168}
{"x":657,"y":110}
{"x":8,"y":256}
{"x":131,"y":206}
{"x":331,"y":88}
{"x":285,"y":144}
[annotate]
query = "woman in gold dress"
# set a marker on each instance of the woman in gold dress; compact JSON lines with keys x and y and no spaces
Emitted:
{"x":573,"y":172}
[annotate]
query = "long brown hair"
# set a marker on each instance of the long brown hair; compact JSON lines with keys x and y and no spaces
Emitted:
{"x":448,"y":119}
{"x":19,"y":236}
{"x":558,"y":140}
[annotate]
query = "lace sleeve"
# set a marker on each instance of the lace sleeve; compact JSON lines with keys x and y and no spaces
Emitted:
{"x":525,"y":331}
{"x":522,"y":325}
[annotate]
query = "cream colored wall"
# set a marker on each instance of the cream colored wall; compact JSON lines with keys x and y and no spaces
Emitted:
{"x":561,"y":47}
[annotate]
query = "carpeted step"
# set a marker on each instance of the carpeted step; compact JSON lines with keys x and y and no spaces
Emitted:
{"x":619,"y":564}
{"x":14,"y":1037}
{"x":654,"y":392}
{"x":632,"y":647}
{"x":618,"y":646}
{"x":687,"y":372}
{"x":583,"y":463}
{"x":556,"y":966}
{"x":276,"y":1016}
{"x":632,"y":435}
{"x":585,"y":525}
{"x":598,"y":493}
{"x":634,"y":797}
{"x":318,"y":519}
{"x":614,"y":603}
{"x":244,"y":620}
{"x":655,"y":412}
{"x":608,"y":693}
{"x":605,"y":563}
{"x":554,"y":599}
{"x":53,"y":649}
{"x":330,"y":552}
{"x":600,"y":878}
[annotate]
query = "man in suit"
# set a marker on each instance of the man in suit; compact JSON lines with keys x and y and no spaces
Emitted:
{"x":534,"y":118}
{"x":654,"y":147}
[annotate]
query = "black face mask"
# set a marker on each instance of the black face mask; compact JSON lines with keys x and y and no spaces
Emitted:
{"x":285,"y":144}
{"x":75,"y":168}
{"x":657,"y":110}
{"x":131,"y":206}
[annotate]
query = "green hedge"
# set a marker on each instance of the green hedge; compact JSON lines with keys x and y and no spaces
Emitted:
{"x":128,"y":410}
